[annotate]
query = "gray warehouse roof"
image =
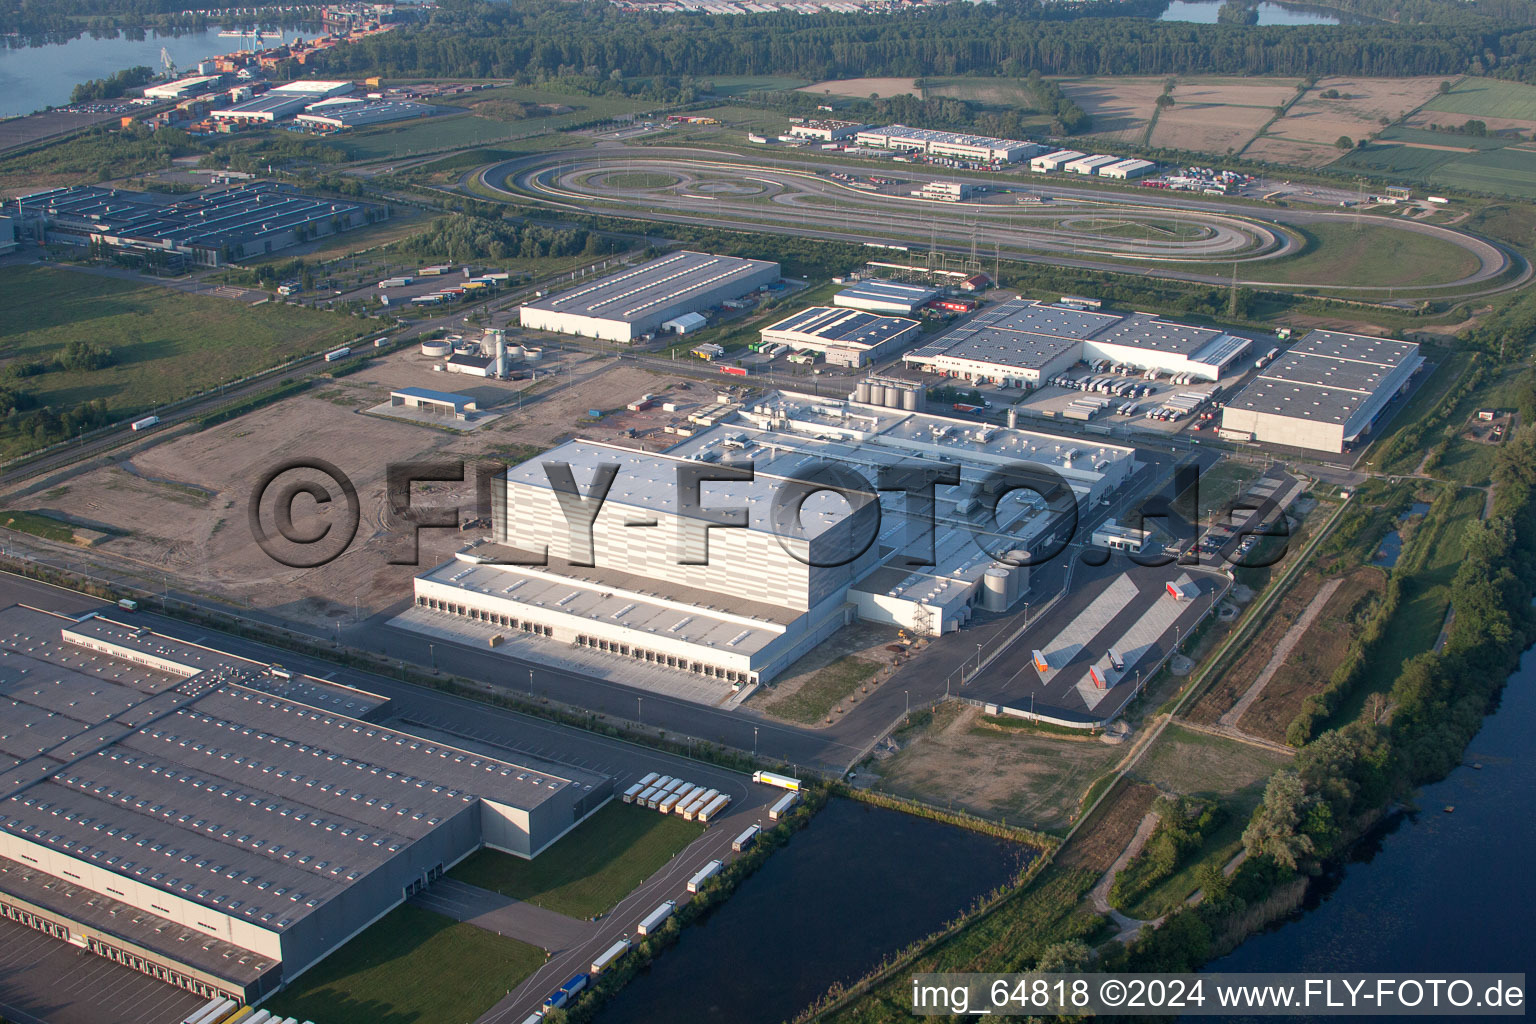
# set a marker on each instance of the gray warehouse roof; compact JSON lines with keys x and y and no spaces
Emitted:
{"x":853,"y":328}
{"x":1327,"y":376}
{"x":636,"y":293}
{"x":202,"y":782}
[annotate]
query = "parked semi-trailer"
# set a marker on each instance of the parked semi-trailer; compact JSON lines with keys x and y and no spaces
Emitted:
{"x":645,"y":798}
{"x":654,"y":919}
{"x":666,"y":803}
{"x":563,"y":995}
{"x":697,"y":803}
{"x":713,"y":808}
{"x":686,"y":792}
{"x":746,"y":839}
{"x":609,"y":955}
{"x":648,"y":779}
{"x":208,"y":1010}
{"x":339,"y":353}
{"x":144,"y":424}
{"x":632,"y":792}
{"x":782,"y":808}
{"x":773,"y":779}
{"x":707,"y":872}
{"x":262,"y":1017}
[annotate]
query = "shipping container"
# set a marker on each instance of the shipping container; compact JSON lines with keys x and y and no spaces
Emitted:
{"x":746,"y":839}
{"x":707,"y":872}
{"x":609,"y":955}
{"x":145,"y":423}
{"x":654,"y":919}
{"x":774,"y":779}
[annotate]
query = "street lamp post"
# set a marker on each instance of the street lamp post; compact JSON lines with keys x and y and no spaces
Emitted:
{"x":432,"y":654}
{"x":530,"y":682}
{"x":639,"y":704}
{"x":754,"y":741}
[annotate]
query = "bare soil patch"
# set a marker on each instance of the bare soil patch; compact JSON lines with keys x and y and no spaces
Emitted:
{"x":1269,"y":149}
{"x":1117,"y":105}
{"x":1096,"y":846}
{"x":1207,"y":127}
{"x":1020,"y":777}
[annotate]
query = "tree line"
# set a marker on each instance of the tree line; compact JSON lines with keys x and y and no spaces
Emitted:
{"x":549,"y":38}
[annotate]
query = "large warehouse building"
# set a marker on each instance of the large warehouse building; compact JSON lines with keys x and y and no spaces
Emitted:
{"x":847,"y":337}
{"x":1022,"y":343}
{"x":651,"y":582}
{"x":981,"y":148}
{"x":885,"y":297}
{"x":211,"y":228}
{"x":623,"y":306}
{"x":1324,"y":394}
{"x":221,"y":824}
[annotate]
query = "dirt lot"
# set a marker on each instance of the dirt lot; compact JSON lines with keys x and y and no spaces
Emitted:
{"x":182,"y":503}
{"x":861,"y":88}
{"x":821,"y":685}
{"x":1016,"y":775}
{"x":1096,"y":847}
{"x":1269,"y":149}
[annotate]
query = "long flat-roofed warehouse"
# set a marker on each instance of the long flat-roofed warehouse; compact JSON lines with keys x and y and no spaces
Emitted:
{"x":885,"y":297}
{"x":656,"y":584}
{"x":1324,"y":394}
{"x":847,"y":337}
{"x":637,"y":301}
{"x":222,"y":824}
{"x":210,"y":228}
{"x":1022,"y":343}
{"x":981,"y":148}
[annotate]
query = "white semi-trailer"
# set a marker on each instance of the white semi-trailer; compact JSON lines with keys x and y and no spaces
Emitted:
{"x":774,"y":779}
{"x":609,"y":955}
{"x":746,"y":839}
{"x":714,"y":807}
{"x":632,"y":792}
{"x":707,"y":872}
{"x":655,"y":918}
{"x":787,"y":801}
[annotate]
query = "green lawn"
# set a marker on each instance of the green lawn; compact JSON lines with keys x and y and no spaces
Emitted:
{"x":592,"y":868}
{"x":820,"y":693}
{"x":1340,"y":254}
{"x":1200,"y":764}
{"x":1506,"y":172}
{"x":737,"y":85}
{"x":411,"y":967}
{"x":432,"y":135}
{"x":166,"y":344}
{"x":38,"y":525}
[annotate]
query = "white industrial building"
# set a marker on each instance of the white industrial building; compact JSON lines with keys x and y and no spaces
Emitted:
{"x":621,"y":307}
{"x":847,"y":337}
{"x":1023,"y":343}
{"x":1090,"y":164}
{"x":446,"y":404}
{"x":182,"y":88}
{"x":1325,"y":393}
{"x":343,"y":113}
{"x":1045,"y":163}
{"x":826,"y":130}
{"x":885,"y":297}
{"x":1124,"y":169}
{"x":945,"y":191}
{"x":980,"y":148}
{"x":651,"y":581}
{"x":221,"y":824}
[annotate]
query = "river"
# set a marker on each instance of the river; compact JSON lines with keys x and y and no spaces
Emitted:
{"x":34,"y":77}
{"x":1432,"y":891}
{"x":857,"y":883}
{"x":1204,"y":12}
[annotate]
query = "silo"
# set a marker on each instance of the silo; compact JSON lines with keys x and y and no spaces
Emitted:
{"x":861,"y":392}
{"x":892,"y":397}
{"x":501,"y":355}
{"x":1018,"y":559}
{"x":532,"y":354}
{"x":514,"y":352}
{"x":909,"y":399}
{"x":994,"y":589}
{"x":1013,"y":417}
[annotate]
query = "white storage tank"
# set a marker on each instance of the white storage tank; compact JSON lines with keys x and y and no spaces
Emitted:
{"x":861,"y":392}
{"x":532,"y":354}
{"x":909,"y":399}
{"x":994,"y":589}
{"x":437,"y":348}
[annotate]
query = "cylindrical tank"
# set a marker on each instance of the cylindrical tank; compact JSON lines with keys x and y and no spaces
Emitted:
{"x":1018,"y":579}
{"x":861,"y":392}
{"x":909,"y":399}
{"x":501,"y":355}
{"x":892,"y":397}
{"x":994,"y":589}
{"x":514,"y":352}
{"x":436,"y":348}
{"x":532,"y":354}
{"x":1013,"y":418}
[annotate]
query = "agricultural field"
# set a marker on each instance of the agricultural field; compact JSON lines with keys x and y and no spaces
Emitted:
{"x":1217,"y":116}
{"x":1502,"y":165}
{"x":534,"y":108}
{"x":591,"y":868}
{"x":165,"y":343}
{"x":1486,"y":98}
{"x":411,"y":965}
{"x":1121,"y":108}
{"x":864,"y":88}
{"x":432,"y":135}
{"x":1306,"y":134}
{"x":739,"y":85}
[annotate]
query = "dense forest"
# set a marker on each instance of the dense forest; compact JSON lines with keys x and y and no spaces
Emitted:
{"x":536,"y":39}
{"x":31,"y":22}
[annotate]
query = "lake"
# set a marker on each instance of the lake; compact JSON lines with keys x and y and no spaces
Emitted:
{"x":35,"y":77}
{"x":1204,"y":12}
{"x":1432,"y":891}
{"x":856,"y":884}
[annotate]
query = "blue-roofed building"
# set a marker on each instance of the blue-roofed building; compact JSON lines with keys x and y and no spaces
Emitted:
{"x":846,"y":337}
